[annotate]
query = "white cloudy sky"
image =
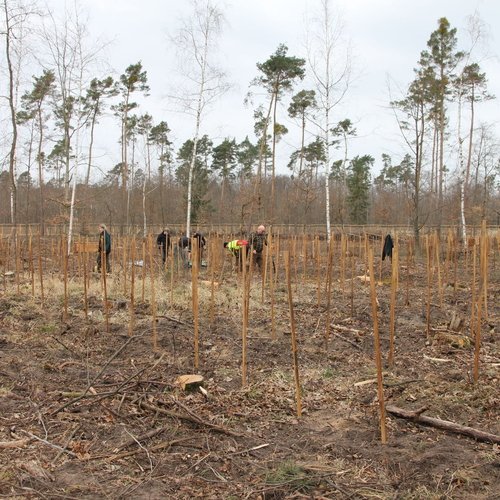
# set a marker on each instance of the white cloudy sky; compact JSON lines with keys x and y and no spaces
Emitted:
{"x":387,"y":37}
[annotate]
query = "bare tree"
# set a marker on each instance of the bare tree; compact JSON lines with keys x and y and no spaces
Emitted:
{"x":15,"y":16}
{"x":330,"y":63}
{"x":196,"y":42}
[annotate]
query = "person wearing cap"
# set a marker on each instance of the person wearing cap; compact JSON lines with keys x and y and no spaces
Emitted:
{"x":257,"y":241}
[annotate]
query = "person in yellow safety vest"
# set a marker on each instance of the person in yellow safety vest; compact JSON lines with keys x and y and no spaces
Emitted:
{"x":235,"y":247}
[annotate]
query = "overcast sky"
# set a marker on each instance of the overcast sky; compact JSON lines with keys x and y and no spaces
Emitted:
{"x":386,"y":36}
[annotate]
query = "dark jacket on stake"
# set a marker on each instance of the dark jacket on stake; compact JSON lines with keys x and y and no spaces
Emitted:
{"x":388,"y":246}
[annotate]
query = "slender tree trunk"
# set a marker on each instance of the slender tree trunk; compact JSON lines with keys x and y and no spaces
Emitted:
{"x":13,"y":144}
{"x":273,"y":162}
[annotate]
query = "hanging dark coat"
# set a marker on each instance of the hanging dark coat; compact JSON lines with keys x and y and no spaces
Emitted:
{"x":388,"y":246}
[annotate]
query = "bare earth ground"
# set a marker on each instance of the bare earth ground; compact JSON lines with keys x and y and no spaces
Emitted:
{"x":136,"y":434}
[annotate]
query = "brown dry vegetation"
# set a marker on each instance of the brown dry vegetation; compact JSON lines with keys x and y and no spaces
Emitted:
{"x":91,"y":413}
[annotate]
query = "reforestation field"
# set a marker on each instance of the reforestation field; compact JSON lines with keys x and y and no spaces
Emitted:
{"x":303,"y":385}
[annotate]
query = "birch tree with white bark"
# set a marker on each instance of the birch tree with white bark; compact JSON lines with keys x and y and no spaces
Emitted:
{"x":197,"y":44}
{"x":329,"y":59}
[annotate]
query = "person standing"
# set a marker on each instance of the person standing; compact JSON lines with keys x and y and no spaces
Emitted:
{"x":163,"y":242}
{"x":199,"y":240}
{"x":256,"y":242}
{"x":184,"y":248}
{"x":104,"y":249}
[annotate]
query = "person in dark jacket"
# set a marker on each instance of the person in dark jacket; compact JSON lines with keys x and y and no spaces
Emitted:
{"x":163,"y":242}
{"x":257,"y":241}
{"x":104,"y":249}
{"x":184,"y":247}
{"x":388,"y":246}
{"x":199,"y":240}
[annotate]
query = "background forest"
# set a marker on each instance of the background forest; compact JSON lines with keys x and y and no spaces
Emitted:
{"x":57,"y":100}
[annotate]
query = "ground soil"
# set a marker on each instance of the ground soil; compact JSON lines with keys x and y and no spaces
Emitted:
{"x":90,"y":411}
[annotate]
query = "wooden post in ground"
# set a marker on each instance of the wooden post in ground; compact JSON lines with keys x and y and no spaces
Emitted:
{"x":85,"y":272}
{"x":65,"y":278}
{"x":429,"y":273}
{"x":343,"y":253}
{"x":244,"y":317}
{"x":31,"y":265}
{"x":408,"y":261}
{"x":40,"y":269}
{"x":272,"y":270}
{"x":331,"y":248}
{"x":473,"y":290}
{"x":105,"y":287}
{"x":131,"y":305}
{"x":264,"y":271}
{"x":195,"y":304}
{"x":173,"y":268}
{"x":352,"y":257}
{"x":304,"y":255}
{"x":143,"y":270}
{"x":394,"y":286}
{"x":17,"y":261}
{"x":124,"y":260}
{"x":298,"y":397}
{"x":484,"y":265}
{"x":154,"y":331}
{"x":213,"y":262}
{"x":318,"y":269}
{"x":437,"y":251}
{"x":378,"y":357}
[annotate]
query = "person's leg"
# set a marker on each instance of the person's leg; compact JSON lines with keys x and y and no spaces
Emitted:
{"x":108,"y":262}
{"x":99,"y":262}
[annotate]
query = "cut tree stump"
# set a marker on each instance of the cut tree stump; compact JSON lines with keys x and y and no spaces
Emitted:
{"x":417,"y":417}
{"x":189,"y":382}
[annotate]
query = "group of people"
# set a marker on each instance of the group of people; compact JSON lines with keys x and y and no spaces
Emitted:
{"x":185,"y":245}
{"x":255,"y":245}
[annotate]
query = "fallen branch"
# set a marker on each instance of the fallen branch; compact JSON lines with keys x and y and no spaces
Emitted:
{"x":48,"y":443}
{"x":175,"y":320}
{"x":446,"y":425}
{"x":103,"y":369}
{"x":346,"y":329}
{"x":345,"y":340}
{"x":18,"y":443}
{"x":189,"y":418}
{"x":143,"y":437}
{"x":265,"y":445}
{"x":438,"y":360}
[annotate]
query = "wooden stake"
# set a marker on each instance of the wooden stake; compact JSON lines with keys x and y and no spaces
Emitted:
{"x":428,"y":309}
{"x":131,"y":306}
{"x":244,"y":318}
{"x":40,"y":269}
{"x":143,"y":269}
{"x":329,"y":288}
{"x":394,"y":285}
{"x":194,"y":296}
{"x":473,"y":289}
{"x":31,"y":266}
{"x":295,"y":359}
{"x":153,"y":293}
{"x":378,"y":358}
{"x":85,"y":277}
{"x":105,"y":286}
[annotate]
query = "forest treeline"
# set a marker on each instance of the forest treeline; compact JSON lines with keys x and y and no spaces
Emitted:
{"x":448,"y":172}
